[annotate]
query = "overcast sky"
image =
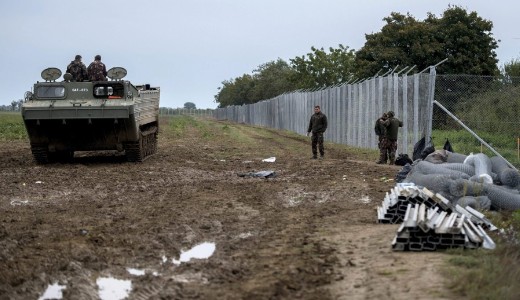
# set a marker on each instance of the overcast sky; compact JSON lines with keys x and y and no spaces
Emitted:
{"x":189,"y":47}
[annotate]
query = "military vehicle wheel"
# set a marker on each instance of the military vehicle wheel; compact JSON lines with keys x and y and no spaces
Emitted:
{"x":134,"y":151}
{"x":142,"y":149}
{"x":40,"y":154}
{"x":149,"y":139}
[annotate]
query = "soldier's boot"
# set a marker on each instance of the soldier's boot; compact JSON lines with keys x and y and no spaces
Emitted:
{"x":392,"y":159}
{"x":382,"y":158}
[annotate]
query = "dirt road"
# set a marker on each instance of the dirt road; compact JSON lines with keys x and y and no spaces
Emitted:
{"x":102,"y":228}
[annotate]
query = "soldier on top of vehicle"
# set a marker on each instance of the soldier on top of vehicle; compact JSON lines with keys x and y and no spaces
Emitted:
{"x":97,"y":70}
{"x":77,"y":69}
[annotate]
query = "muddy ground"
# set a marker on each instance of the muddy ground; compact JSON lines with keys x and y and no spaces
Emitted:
{"x":308,"y":233}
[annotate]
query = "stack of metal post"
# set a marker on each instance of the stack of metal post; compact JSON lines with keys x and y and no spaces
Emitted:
{"x":430,"y":222}
{"x":395,"y":204}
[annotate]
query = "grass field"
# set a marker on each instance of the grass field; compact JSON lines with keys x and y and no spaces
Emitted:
{"x":465,"y":143}
{"x":485,"y":274}
{"x":12,"y":127}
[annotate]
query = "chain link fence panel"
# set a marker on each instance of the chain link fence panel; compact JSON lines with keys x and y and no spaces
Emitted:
{"x":488,"y":106}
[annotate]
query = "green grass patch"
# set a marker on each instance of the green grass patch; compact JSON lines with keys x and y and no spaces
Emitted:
{"x":12,"y":127}
{"x":177,"y":125}
{"x":249,"y":138}
{"x":489,"y":274}
{"x":465,"y":143}
{"x":355,"y":153}
{"x":183,"y":125}
{"x":236,"y":133}
{"x":484,"y":274}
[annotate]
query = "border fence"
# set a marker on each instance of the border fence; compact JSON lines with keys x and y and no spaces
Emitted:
{"x":352,"y":109}
{"x":474,"y":113}
{"x":166,"y":111}
{"x":479,"y":114}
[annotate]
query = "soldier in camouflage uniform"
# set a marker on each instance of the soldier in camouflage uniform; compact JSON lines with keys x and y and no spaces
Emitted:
{"x":77,"y":69}
{"x":392,"y":125}
{"x":380,"y":130}
{"x":97,"y":70}
{"x":317,"y":125}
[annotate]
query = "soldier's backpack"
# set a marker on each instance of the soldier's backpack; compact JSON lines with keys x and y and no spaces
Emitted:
{"x":403,"y":159}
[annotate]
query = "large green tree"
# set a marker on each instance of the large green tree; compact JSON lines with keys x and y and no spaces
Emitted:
{"x":403,"y":41}
{"x":320,"y":68}
{"x":15,"y":105}
{"x":465,"y":39}
{"x":190,"y":105}
{"x":272,"y":79}
{"x":267,"y":81}
{"x":237,"y":91}
{"x":510,"y":71}
{"x":467,"y":42}
{"x":512,"y":68}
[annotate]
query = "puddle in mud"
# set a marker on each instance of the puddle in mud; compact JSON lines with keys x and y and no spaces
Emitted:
{"x":200,"y":251}
{"x":16,"y":202}
{"x":109,"y":289}
{"x":135,"y":272}
{"x":113,"y":289}
{"x":139,"y":272}
{"x":53,"y":291}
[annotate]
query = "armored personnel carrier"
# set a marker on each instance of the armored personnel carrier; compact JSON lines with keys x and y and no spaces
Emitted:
{"x":66,"y":116}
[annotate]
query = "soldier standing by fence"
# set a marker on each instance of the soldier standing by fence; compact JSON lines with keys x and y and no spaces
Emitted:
{"x":380,"y":130}
{"x":392,"y":125}
{"x":317,"y":125}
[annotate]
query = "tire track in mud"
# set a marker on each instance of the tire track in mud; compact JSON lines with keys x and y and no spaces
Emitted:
{"x":300,"y":264}
{"x":273,"y":142}
{"x":304,"y":234}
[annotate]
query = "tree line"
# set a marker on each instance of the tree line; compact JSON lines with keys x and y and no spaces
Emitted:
{"x":15,"y":105}
{"x":463,"y":38}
